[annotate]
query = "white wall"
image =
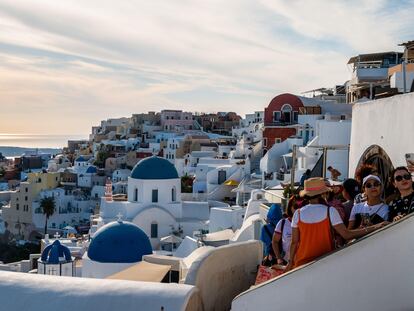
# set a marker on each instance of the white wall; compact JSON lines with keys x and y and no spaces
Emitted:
{"x":385,"y":122}
{"x":397,"y":80}
{"x":198,"y":210}
{"x":374,"y":274}
{"x":334,"y":132}
{"x":224,"y":218}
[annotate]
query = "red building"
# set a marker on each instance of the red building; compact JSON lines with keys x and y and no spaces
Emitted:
{"x":281,"y":119}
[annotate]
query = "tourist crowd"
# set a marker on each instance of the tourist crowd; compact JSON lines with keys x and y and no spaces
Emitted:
{"x":324,"y":216}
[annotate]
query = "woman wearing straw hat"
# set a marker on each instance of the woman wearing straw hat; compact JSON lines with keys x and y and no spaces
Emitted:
{"x":312,"y":234}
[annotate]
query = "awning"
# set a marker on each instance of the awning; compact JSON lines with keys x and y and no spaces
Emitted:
{"x":142,"y":271}
{"x":231,"y":182}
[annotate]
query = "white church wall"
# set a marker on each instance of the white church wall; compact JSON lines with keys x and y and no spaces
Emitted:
{"x":155,"y":215}
{"x":145,"y":187}
{"x":110,"y":210}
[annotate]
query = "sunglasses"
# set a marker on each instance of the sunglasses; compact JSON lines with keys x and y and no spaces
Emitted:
{"x":370,"y":185}
{"x":401,"y":177}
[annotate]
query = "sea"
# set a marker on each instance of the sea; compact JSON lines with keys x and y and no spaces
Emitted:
{"x":13,"y":145}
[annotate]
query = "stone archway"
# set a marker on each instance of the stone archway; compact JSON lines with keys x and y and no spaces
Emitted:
{"x":376,"y":156}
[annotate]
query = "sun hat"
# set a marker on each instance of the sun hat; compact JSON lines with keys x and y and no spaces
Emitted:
{"x":375,"y":177}
{"x":314,"y":186}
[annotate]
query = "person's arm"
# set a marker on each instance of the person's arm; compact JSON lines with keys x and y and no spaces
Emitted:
{"x":293,"y":248}
{"x":275,"y":244}
{"x":356,"y":233}
{"x":351,"y":223}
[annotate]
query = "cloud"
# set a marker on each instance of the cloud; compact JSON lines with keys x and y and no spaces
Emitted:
{"x":81,"y":61}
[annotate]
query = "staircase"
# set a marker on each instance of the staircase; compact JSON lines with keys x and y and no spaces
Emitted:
{"x":257,"y":154}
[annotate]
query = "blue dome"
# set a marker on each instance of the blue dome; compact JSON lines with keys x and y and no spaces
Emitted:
{"x":119,"y":242}
{"x":52,"y":252}
{"x":91,"y":170}
{"x":154,"y":168}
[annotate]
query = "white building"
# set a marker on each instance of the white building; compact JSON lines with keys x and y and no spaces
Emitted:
{"x":57,"y":163}
{"x":85,"y":177}
{"x":71,"y":208}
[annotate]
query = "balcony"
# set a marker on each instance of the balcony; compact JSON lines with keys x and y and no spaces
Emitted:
{"x":281,"y":123}
{"x":370,"y":74}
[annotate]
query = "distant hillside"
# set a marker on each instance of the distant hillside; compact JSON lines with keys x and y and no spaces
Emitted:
{"x":17,"y":151}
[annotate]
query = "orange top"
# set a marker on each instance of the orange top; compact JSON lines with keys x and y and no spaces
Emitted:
{"x":315,"y":240}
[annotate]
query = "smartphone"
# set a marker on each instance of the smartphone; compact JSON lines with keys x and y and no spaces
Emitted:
{"x":409,"y":158}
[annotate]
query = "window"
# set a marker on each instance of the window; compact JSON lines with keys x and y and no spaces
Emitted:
{"x":155,"y":195}
{"x":221,"y":177}
{"x":154,"y":230}
{"x":276,"y":116}
{"x":173,"y":195}
{"x":278,"y":140}
{"x":26,"y":189}
{"x":17,"y":206}
{"x":265,"y":142}
{"x":295,"y":116}
{"x":136,"y":195}
{"x":25,"y":198}
{"x":286,"y":113}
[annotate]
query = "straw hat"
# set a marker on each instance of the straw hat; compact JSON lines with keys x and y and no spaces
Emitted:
{"x":314,"y":186}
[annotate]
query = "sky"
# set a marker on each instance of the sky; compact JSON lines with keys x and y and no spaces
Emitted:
{"x":66,"y":65}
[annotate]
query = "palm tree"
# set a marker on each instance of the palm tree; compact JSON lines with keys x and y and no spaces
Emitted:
{"x":48,"y":208}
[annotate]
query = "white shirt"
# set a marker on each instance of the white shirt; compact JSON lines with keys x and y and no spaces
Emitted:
{"x":313,"y":213}
{"x":286,"y":236}
{"x":363,"y":208}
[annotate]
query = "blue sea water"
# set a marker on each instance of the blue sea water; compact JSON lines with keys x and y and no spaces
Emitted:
{"x":9,"y":142}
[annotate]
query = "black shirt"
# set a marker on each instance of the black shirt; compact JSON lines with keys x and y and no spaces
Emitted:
{"x":401,"y":206}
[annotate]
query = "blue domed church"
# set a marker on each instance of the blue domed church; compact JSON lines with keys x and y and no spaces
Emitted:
{"x":114,"y":247}
{"x":153,"y":204}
